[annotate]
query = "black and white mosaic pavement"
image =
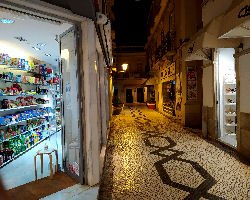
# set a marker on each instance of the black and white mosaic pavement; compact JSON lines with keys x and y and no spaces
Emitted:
{"x":150,"y":157}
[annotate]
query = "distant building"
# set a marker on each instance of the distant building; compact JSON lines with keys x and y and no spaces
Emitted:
{"x":177,"y":85}
{"x":129,"y":83}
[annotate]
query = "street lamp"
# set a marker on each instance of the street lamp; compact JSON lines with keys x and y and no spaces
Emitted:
{"x":124,"y":67}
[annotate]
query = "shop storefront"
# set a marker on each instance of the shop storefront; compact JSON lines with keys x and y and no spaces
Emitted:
{"x":39,"y":87}
{"x":43,"y":93}
{"x":238,"y":29}
{"x":223,"y":48}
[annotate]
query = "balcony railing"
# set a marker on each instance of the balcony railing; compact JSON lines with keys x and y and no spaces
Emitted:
{"x":168,"y":44}
{"x":130,"y":75}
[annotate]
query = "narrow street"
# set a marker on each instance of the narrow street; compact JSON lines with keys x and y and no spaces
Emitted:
{"x":151,"y":157}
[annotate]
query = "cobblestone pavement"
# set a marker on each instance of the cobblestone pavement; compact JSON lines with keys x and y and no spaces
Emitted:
{"x":150,"y":157}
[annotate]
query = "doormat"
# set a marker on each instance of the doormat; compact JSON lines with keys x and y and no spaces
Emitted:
{"x":41,"y":188}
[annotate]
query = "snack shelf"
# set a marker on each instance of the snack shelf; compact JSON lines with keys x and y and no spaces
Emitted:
{"x":22,"y":95}
{"x":228,"y":83}
{"x":22,"y":107}
{"x":19,"y":122}
{"x":24,"y":70}
{"x":230,"y":115}
{"x":26,"y":150}
{"x":231,"y":125}
{"x":6,"y":81}
{"x":230,"y":104}
{"x":21,"y":134}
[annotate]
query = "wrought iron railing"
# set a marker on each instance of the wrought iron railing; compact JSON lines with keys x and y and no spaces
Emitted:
{"x":168,"y":44}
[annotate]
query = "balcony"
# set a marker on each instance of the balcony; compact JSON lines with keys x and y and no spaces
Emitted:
{"x":130,"y":75}
{"x":167,"y":47}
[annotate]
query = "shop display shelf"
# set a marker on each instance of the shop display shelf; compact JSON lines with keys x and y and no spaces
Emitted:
{"x":230,"y":94}
{"x":231,"y":125}
{"x":21,"y":134}
{"x":230,"y":104}
{"x":10,"y":81}
{"x":24,"y":70}
{"x":230,"y":115}
{"x":19,"y":122}
{"x":6,"y":111}
{"x":230,"y":83}
{"x":22,"y":95}
{"x":26,"y":150}
{"x":18,"y":108}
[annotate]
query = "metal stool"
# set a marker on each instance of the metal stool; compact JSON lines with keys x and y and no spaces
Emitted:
{"x":48,"y":152}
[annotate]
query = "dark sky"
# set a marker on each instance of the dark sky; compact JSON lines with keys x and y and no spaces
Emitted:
{"x":130,"y":22}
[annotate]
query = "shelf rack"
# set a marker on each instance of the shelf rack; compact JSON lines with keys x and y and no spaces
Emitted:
{"x":24,"y":70}
{"x":21,"y":134}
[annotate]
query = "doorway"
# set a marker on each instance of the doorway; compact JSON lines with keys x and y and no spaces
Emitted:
{"x":140,"y":95}
{"x":227,"y":96}
{"x":41,"y":59}
{"x":129,"y":96}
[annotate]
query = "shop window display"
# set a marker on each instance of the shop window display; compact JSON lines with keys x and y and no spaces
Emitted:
{"x":28,"y":100}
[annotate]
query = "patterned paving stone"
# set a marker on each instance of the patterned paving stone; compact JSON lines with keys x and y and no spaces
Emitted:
{"x":151,"y":157}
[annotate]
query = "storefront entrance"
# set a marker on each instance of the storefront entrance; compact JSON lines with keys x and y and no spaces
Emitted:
{"x":227,"y":96}
{"x":140,"y":95}
{"x":129,"y":96}
{"x":39,"y":109}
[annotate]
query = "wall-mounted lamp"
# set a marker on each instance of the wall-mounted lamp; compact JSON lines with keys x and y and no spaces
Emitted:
{"x":124,"y":67}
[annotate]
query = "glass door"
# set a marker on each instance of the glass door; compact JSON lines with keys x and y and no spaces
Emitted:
{"x":227,"y":97}
{"x":72,"y":151}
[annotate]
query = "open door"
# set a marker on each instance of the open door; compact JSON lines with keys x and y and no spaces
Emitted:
{"x":71,"y":126}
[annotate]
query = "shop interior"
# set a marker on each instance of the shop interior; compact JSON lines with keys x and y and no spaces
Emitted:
{"x":30,"y":94}
{"x":227,"y":96}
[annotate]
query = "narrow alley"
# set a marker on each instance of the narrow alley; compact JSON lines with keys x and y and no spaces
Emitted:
{"x":149,"y":156}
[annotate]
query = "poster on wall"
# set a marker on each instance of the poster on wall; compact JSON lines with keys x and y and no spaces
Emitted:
{"x":192,"y":92}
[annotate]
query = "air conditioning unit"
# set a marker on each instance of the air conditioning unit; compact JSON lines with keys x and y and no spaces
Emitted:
{"x":101,"y":18}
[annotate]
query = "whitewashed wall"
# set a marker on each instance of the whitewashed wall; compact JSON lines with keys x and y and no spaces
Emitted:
{"x":214,"y":8}
{"x":244,"y":70}
{"x":207,"y":83}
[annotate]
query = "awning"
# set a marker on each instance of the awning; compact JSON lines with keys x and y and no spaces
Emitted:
{"x":236,"y":22}
{"x":199,"y":48}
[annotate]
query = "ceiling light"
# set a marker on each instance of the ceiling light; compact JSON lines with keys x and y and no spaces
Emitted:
{"x":41,"y":44}
{"x":47,"y":54}
{"x":36,"y":48}
{"x":7,"y":21}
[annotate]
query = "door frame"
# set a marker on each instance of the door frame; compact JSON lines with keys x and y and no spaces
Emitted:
{"x":77,"y":31}
{"x":52,"y":12}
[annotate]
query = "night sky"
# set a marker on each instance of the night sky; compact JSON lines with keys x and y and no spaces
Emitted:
{"x":131,"y":22}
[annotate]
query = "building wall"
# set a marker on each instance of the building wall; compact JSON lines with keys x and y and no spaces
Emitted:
{"x":244,"y":74}
{"x":214,"y":8}
{"x":134,"y":77}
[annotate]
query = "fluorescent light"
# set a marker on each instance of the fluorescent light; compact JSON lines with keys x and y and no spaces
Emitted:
{"x":47,"y":54}
{"x":41,"y":44}
{"x":7,"y":21}
{"x":36,"y":48}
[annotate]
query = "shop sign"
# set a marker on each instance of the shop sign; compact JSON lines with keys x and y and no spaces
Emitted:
{"x":192,"y":92}
{"x":168,"y":73}
{"x":244,"y":12}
